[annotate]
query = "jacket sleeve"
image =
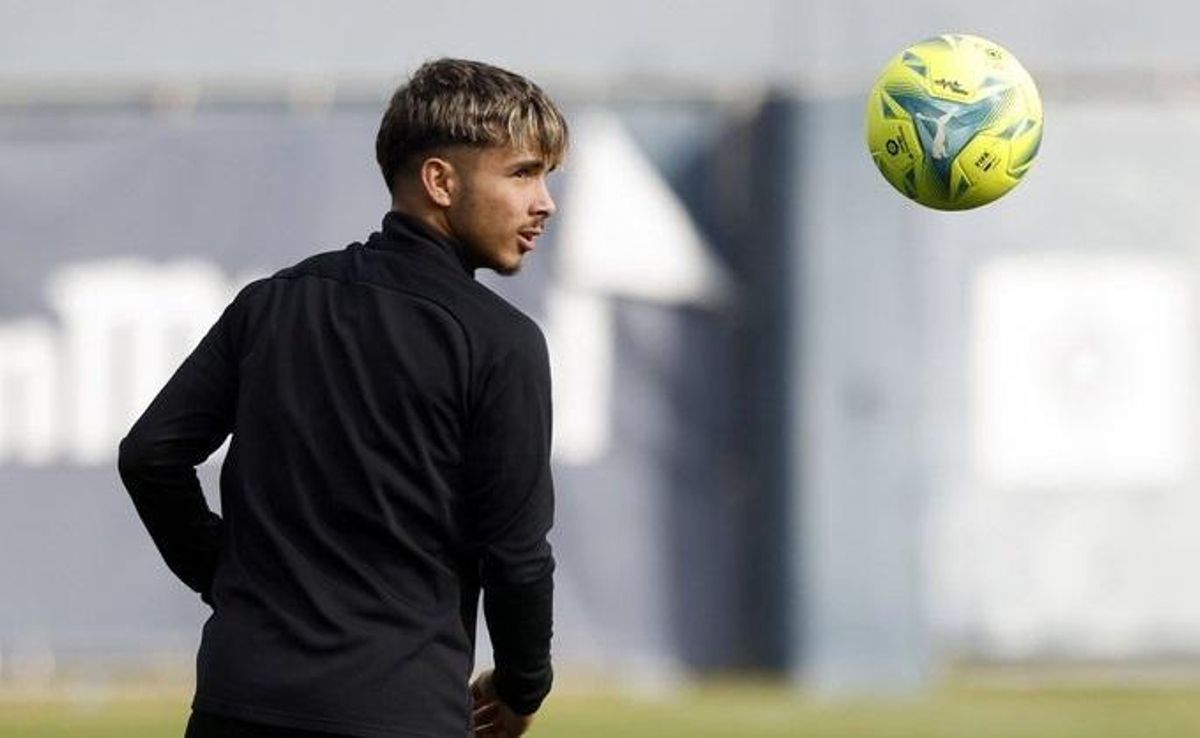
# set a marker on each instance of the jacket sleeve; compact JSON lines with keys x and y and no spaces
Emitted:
{"x":186,"y":422}
{"x":511,"y":498}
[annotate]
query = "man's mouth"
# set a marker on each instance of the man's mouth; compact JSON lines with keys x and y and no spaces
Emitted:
{"x":527,"y":238}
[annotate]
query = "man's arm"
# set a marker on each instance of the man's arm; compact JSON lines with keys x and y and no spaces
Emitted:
{"x":512,"y":506}
{"x":186,"y":422}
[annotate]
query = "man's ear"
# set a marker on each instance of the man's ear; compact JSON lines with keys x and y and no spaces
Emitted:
{"x":439,"y":180}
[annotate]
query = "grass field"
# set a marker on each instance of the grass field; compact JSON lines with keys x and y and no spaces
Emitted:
{"x":726,"y":711}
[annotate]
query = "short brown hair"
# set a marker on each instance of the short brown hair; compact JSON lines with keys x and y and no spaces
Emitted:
{"x":455,"y":102}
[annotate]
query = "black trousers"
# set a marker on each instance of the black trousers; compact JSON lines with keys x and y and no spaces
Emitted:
{"x":205,"y":725}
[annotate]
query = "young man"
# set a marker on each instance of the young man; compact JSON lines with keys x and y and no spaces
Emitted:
{"x":390,"y":423}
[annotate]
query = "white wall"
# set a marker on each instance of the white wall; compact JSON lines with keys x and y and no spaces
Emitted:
{"x":822,"y":43}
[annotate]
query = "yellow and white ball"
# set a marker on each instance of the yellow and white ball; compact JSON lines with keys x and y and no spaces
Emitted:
{"x":954,"y":122}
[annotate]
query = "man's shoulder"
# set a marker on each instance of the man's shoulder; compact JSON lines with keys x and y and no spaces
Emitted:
{"x":501,"y":318}
{"x":255,"y":293}
{"x":482,"y":312}
{"x":326,"y":263}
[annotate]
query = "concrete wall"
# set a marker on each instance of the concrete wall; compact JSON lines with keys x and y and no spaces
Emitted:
{"x":821,"y":44}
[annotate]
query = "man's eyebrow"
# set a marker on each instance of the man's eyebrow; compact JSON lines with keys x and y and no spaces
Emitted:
{"x":531,"y":163}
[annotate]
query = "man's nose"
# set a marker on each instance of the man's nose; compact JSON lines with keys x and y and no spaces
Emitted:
{"x":544,"y":205}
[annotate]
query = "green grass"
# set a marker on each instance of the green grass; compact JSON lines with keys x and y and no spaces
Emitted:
{"x":119,"y":717}
{"x":728,"y":711}
{"x":767,"y":713}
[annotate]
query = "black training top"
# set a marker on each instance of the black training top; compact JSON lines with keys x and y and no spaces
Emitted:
{"x":390,"y":421}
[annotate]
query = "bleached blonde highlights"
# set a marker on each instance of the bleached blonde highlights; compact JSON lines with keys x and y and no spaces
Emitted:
{"x":457,"y":102}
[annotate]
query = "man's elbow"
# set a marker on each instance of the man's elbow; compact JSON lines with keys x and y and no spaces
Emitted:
{"x":134,"y":455}
{"x":527,"y":566}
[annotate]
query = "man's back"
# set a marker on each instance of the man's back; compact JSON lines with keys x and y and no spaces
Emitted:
{"x":390,"y":421}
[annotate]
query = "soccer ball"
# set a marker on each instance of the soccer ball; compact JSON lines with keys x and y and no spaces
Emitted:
{"x":954,"y":122}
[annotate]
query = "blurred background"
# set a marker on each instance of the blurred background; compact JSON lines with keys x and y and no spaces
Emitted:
{"x":820,"y":453}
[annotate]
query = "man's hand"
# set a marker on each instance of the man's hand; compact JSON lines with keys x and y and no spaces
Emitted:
{"x":492,"y":718}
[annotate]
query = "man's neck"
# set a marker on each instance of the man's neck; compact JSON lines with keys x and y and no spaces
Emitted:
{"x":434,"y":220}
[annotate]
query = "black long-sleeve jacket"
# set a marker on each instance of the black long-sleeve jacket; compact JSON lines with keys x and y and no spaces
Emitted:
{"x":390,"y":421}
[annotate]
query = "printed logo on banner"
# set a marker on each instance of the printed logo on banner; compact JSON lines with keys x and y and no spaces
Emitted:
{"x":71,"y":387}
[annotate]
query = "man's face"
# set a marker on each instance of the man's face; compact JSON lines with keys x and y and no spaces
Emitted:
{"x":502,"y":206}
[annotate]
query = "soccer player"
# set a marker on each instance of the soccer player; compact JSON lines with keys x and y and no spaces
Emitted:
{"x":389,"y":460}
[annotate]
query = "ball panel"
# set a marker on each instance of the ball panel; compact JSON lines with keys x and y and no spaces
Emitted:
{"x":893,"y":143}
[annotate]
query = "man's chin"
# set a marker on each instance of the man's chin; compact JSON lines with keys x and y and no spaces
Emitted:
{"x":506,"y":269}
